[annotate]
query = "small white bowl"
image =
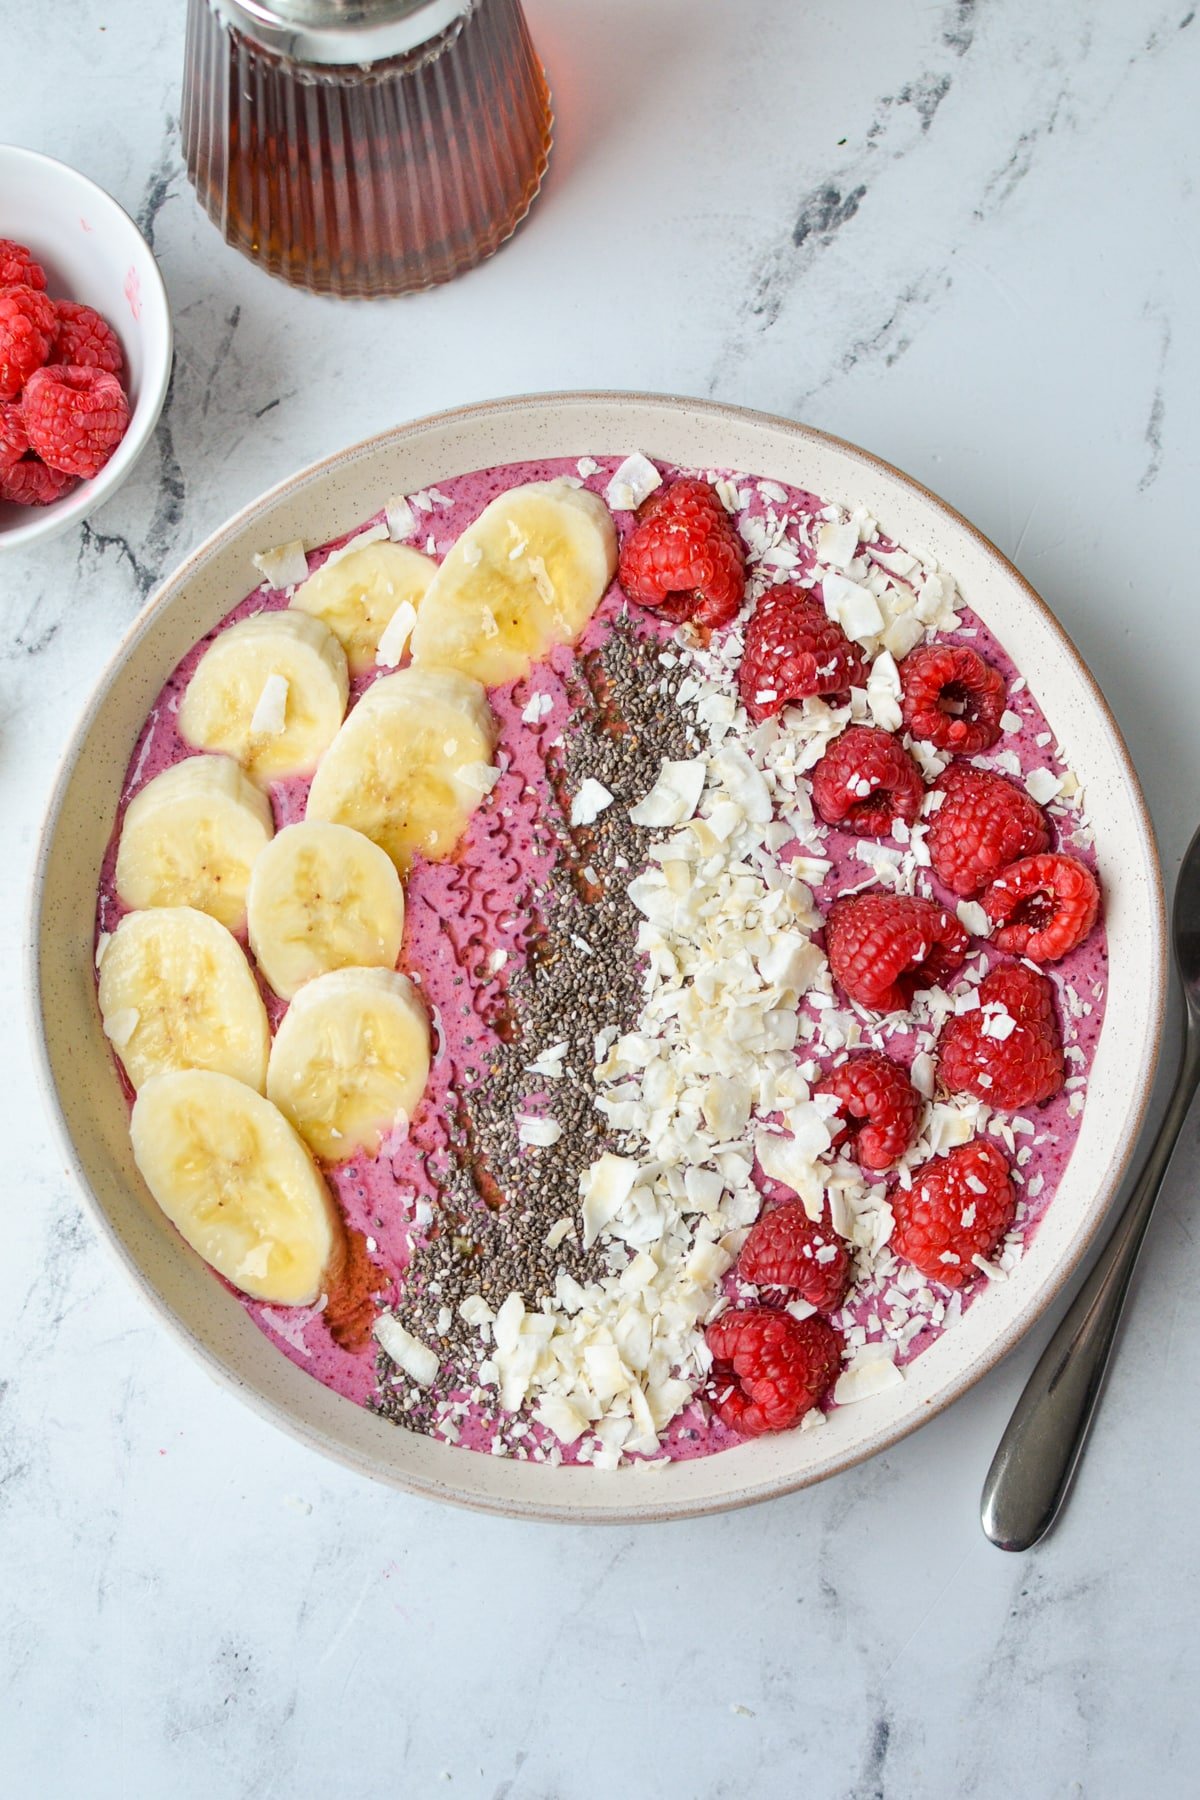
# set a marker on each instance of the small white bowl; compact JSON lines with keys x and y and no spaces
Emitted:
{"x":92,"y":252}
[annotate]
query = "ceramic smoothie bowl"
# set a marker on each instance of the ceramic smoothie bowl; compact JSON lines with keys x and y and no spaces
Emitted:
{"x":325,"y":502}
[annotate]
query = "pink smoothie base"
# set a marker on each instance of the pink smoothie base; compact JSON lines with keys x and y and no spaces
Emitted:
{"x":460,"y":913}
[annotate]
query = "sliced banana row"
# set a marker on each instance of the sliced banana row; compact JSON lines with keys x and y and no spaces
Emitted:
{"x":401,"y":775}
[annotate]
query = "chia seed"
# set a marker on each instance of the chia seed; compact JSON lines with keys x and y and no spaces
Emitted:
{"x":497,"y":1199}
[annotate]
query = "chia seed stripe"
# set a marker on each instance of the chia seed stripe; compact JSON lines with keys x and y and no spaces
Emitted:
{"x":498,"y":1199}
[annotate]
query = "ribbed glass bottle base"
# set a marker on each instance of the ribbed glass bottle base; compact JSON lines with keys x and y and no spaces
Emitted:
{"x":364,"y":182}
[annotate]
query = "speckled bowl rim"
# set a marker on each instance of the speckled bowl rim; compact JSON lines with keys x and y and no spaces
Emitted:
{"x":644,"y":1505}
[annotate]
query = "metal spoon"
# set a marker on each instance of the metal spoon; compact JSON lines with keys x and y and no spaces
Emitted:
{"x":1037,"y":1457}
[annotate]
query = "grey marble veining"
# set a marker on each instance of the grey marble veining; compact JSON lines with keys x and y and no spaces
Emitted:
{"x":964,"y":234}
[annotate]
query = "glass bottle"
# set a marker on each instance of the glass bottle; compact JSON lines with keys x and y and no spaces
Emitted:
{"x":364,"y":147}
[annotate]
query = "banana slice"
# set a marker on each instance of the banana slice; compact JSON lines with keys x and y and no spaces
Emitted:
{"x":271,"y":691}
{"x":176,"y":992}
{"x":350,"y":1060}
{"x":527,"y":575}
{"x":323,"y":897}
{"x":410,"y":765}
{"x":236,"y":1181}
{"x":189,"y":838}
{"x":356,"y":595}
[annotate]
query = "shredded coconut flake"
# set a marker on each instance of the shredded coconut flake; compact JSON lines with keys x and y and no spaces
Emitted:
{"x":407,"y":1352}
{"x":633,"y":482}
{"x":589,"y":802}
{"x":393,"y":640}
{"x":270,"y":714}
{"x":401,"y":519}
{"x":282,"y":567}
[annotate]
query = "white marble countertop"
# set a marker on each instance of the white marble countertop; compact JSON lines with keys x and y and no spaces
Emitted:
{"x":961,"y":233}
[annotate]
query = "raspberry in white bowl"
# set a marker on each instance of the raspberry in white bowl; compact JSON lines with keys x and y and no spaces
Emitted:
{"x":79,"y":291}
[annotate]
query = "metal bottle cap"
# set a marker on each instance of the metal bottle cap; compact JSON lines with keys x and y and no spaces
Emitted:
{"x":341,"y":31}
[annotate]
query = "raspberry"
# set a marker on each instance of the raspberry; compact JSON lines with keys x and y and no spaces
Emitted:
{"x":781,"y":1251}
{"x":879,"y":1105}
{"x":30,"y":483}
{"x":1019,"y":1068}
{"x":683,"y":495}
{"x":792,"y":650}
{"x":959,"y":1206}
{"x":984,"y":823}
{"x":28,"y":324}
{"x":17,"y":267}
{"x":865,"y":781}
{"x":770,"y":1369}
{"x":75,"y":417}
{"x":14,"y":440}
{"x":85,"y":339}
{"x":684,"y":558}
{"x":1044,"y":906}
{"x":950,"y":696}
{"x":882,"y":948}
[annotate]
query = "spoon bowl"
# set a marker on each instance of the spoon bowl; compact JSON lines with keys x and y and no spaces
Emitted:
{"x":1185,"y":924}
{"x":1038,"y":1455}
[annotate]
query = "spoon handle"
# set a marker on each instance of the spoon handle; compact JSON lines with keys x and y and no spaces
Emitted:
{"x":1037,"y":1456}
